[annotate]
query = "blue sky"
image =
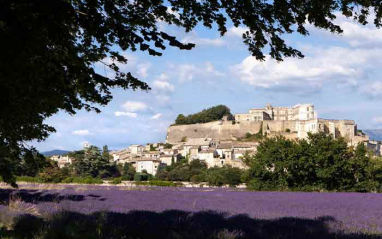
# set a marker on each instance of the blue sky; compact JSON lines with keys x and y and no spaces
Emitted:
{"x":340,"y":75}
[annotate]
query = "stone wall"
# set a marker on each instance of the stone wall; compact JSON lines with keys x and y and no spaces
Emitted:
{"x":219,"y":130}
{"x":279,"y":125}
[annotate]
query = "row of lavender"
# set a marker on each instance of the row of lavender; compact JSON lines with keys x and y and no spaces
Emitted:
{"x":339,"y":212}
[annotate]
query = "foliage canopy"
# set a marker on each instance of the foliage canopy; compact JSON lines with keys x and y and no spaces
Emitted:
{"x":319,"y":162}
{"x":205,"y":116}
{"x":50,"y":49}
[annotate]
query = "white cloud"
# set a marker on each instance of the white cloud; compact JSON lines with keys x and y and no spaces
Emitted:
{"x":163,"y":86}
{"x":156,"y":116}
{"x":134,"y":106}
{"x":188,"y":72}
{"x":200,"y":41}
{"x":373,"y":89}
{"x":163,"y":77}
{"x":163,"y":99}
{"x":236,"y":31}
{"x":355,"y":34}
{"x":138,"y":68}
{"x":81,"y":132}
{"x":142,"y":69}
{"x":348,"y":67}
{"x":211,"y":69}
{"x":377,"y":120}
{"x":128,"y":114}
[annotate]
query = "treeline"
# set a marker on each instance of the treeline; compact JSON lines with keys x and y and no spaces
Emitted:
{"x":90,"y":166}
{"x":196,"y":171}
{"x":205,"y":116}
{"x":318,"y":163}
{"x":315,"y":164}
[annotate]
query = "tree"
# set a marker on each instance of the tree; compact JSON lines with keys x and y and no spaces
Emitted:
{"x":93,"y":163}
{"x":206,"y":115}
{"x":167,"y":146}
{"x":128,"y":171}
{"x":32,"y":163}
{"x":50,"y":49}
{"x":320,"y":161}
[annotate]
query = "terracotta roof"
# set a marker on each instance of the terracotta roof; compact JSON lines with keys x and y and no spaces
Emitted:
{"x":225,"y":146}
{"x":148,"y":159}
{"x":153,"y":152}
{"x":243,"y":151}
{"x":205,"y":151}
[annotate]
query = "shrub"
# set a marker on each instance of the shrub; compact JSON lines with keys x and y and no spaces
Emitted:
{"x":138,"y":177}
{"x":158,"y":183}
{"x":259,"y":185}
{"x":28,"y":179}
{"x":116,"y":181}
{"x":81,"y":180}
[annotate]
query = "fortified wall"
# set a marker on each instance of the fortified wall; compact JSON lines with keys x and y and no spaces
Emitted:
{"x":219,"y":130}
{"x":291,"y":122}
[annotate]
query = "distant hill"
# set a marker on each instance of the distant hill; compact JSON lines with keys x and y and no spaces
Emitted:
{"x":374,"y":134}
{"x":55,"y":152}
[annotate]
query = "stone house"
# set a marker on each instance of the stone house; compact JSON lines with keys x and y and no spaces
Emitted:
{"x":62,"y":161}
{"x":168,"y":159}
{"x":152,"y":154}
{"x":136,"y":149}
{"x":150,"y":165}
{"x":375,"y":147}
{"x":169,"y":151}
{"x":209,"y":156}
{"x":194,"y":152}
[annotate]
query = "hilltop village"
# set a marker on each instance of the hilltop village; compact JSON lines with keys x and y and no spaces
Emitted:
{"x":226,"y":141}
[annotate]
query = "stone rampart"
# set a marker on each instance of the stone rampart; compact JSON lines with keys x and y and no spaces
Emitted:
{"x":219,"y":130}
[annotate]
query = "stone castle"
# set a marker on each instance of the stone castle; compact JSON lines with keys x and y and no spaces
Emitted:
{"x":291,"y":122}
{"x":218,"y":143}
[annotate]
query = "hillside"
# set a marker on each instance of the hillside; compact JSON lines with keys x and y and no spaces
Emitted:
{"x":55,"y":152}
{"x":374,"y":134}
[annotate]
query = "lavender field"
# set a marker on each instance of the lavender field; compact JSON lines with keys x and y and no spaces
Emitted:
{"x":118,"y":212}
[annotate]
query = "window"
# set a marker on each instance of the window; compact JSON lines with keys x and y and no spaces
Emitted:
{"x":307,"y":108}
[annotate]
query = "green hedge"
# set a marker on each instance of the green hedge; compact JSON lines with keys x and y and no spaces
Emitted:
{"x":79,"y":180}
{"x":116,"y":181}
{"x":138,"y":177}
{"x":158,"y":183}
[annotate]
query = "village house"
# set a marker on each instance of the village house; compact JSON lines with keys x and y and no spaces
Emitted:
{"x":62,"y":161}
{"x":375,"y":147}
{"x":152,"y":154}
{"x":194,"y":152}
{"x":169,"y":159}
{"x":147,"y":147}
{"x":209,"y":156}
{"x":151,"y":166}
{"x":136,"y":149}
{"x":169,"y":151}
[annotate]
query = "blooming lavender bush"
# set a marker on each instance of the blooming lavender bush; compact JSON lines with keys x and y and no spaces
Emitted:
{"x":120,"y":212}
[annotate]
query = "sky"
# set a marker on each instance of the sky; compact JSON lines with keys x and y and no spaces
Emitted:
{"x":340,"y":75}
